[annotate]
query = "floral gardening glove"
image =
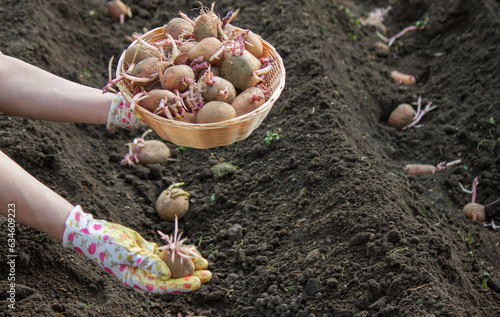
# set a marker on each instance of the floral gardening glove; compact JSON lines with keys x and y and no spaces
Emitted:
{"x":124,"y":253}
{"x":120,"y":115}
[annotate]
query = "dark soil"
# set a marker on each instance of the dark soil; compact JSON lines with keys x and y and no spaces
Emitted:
{"x":320,"y":222}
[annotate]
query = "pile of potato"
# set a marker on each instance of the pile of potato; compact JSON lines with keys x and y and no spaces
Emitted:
{"x":205,"y":70}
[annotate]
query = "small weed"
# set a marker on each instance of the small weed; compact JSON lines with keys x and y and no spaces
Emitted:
{"x":394,"y":251}
{"x":491,"y":120}
{"x":422,"y":23}
{"x":271,"y":136}
{"x":85,"y":73}
{"x":212,"y":198}
{"x":40,"y":237}
{"x":354,"y":20}
{"x":180,"y":149}
{"x":85,"y":306}
{"x":420,"y":301}
{"x":439,"y":222}
{"x":484,"y":283}
{"x":467,"y":238}
{"x":480,"y":143}
{"x":352,"y":36}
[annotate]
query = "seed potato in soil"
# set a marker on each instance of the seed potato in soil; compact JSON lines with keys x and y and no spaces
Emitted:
{"x":323,"y":221}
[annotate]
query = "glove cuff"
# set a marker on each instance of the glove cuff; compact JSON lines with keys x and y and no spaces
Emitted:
{"x":77,"y":220}
{"x":120,"y":115}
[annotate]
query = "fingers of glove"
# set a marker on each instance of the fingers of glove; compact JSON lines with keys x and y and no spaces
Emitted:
{"x":144,"y":259}
{"x":182,"y":285}
{"x":137,"y":278}
{"x":203,"y":275}
{"x":137,"y":251}
{"x":200,"y":263}
{"x":153,"y":264}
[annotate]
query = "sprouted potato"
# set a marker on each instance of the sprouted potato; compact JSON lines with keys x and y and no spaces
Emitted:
{"x":173,"y":203}
{"x":176,"y":255}
{"x":215,"y":111}
{"x":401,"y":116}
{"x":146,"y":151}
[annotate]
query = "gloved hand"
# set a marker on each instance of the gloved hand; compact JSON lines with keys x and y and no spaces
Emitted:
{"x":124,"y":253}
{"x":120,"y":115}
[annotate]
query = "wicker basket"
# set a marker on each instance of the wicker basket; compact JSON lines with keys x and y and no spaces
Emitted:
{"x":209,"y":135}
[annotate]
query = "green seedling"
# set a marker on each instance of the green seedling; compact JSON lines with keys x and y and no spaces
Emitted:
{"x":469,"y":239}
{"x":397,"y":250}
{"x":40,"y":237}
{"x":180,"y":149}
{"x":485,"y":280}
{"x":271,"y":136}
{"x":484,"y":283}
{"x":85,"y":306}
{"x":85,"y":73}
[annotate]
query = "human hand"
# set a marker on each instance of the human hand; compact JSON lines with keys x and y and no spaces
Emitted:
{"x":121,"y":116}
{"x":124,"y":253}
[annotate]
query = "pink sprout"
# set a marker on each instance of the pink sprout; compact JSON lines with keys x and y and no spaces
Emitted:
{"x":176,"y":246}
{"x":256,"y":97}
{"x":198,"y":63}
{"x":473,"y":191}
{"x":419,"y":114}
{"x":209,"y":77}
{"x":133,"y":149}
{"x":391,"y":40}
{"x":441,"y":166}
{"x":264,"y":70}
{"x":153,"y":47}
{"x":137,"y":97}
{"x":418,"y":26}
{"x":229,"y":17}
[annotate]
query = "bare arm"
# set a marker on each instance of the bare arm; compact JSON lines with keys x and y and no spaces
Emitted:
{"x":36,"y":205}
{"x":30,"y":92}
